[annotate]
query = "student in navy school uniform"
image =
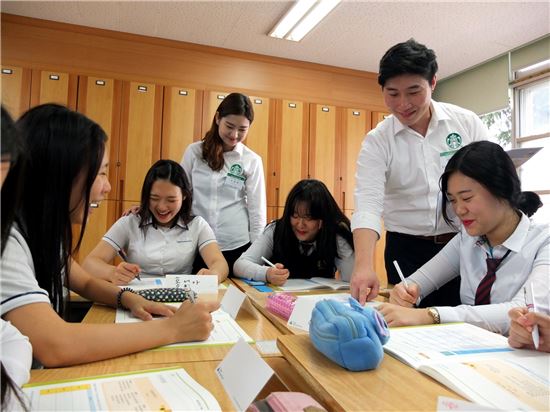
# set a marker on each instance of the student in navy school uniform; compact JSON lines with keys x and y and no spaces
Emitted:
{"x":162,"y":238}
{"x":311,"y":239}
{"x":66,"y":171}
{"x":228,"y":179}
{"x":497,"y":252}
{"x":16,"y":359}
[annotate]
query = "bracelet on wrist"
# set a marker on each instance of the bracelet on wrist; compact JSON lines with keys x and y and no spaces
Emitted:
{"x":119,"y":304}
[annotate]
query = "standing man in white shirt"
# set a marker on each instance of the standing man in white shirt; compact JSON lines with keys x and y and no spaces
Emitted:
{"x":398,"y":171}
{"x":228,"y":180}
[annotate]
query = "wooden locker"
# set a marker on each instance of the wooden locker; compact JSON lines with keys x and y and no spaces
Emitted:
{"x":182,"y":120}
{"x":354,"y":125}
{"x":323,"y":153}
{"x":16,"y":90}
{"x":99,"y":99}
{"x":290,"y":150}
{"x":54,"y":87}
{"x":139,"y":136}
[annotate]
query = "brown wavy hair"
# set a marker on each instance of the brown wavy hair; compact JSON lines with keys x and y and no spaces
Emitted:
{"x":212,"y":146}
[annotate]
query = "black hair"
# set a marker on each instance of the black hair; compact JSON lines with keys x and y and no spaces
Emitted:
{"x":488,"y":164}
{"x":174,"y":173}
{"x":12,"y":151}
{"x":212,"y":147}
{"x":320,"y":204}
{"x":409,"y":57}
{"x":63,"y":148}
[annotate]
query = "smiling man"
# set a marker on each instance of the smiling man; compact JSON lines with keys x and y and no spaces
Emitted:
{"x":398,"y":172}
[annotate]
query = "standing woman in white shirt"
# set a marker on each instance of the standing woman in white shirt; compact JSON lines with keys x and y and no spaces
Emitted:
{"x":15,"y":348}
{"x":162,"y":238}
{"x":497,"y":251}
{"x":228,"y":179}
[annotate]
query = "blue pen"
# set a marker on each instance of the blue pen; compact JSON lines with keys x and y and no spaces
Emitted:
{"x":125,"y":258}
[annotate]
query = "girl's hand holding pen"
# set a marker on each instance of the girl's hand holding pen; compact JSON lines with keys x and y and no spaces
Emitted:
{"x":405,"y":296}
{"x":125,"y":272}
{"x":277,"y":275}
{"x":193,"y":321}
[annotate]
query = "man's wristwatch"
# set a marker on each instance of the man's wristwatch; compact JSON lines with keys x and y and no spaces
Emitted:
{"x":435,"y":315}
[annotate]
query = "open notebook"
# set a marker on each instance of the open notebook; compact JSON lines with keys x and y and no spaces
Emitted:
{"x":476,"y":364}
{"x":296,"y":285}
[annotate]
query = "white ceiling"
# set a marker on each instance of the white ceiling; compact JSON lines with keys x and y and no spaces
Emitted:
{"x":354,"y":35}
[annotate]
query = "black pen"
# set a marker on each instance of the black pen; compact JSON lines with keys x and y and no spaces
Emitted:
{"x":125,"y":258}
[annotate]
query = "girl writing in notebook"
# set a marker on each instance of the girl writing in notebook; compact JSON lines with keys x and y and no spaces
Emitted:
{"x":16,"y":348}
{"x":497,"y":250}
{"x":311,"y":239}
{"x":65,"y":173}
{"x":228,"y":179}
{"x":163,"y":237}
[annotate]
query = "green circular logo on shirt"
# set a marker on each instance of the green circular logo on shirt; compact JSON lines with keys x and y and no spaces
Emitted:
{"x":454,"y":141}
{"x":236,"y":169}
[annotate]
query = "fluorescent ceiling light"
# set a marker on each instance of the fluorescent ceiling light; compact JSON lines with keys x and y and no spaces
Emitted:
{"x":294,"y":26}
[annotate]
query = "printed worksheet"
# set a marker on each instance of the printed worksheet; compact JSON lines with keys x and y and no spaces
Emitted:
{"x":226,"y":329}
{"x":158,"y":390}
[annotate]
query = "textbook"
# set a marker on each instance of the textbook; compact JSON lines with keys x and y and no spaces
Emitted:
{"x":475,"y":363}
{"x":296,"y":285}
{"x":226,"y":330}
{"x":155,"y":390}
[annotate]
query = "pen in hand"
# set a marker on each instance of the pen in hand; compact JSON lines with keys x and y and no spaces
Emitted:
{"x":269,"y":263}
{"x":401,"y":274}
{"x":532,"y":307}
{"x":125,"y":258}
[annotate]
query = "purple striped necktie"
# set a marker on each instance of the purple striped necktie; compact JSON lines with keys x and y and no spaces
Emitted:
{"x":483,"y":292}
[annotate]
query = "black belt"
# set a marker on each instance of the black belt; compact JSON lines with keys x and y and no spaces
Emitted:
{"x":437,"y":239}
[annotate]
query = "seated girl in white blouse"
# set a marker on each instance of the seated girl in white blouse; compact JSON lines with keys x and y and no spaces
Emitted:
{"x":312,"y":239}
{"x":162,"y":238}
{"x":497,"y":251}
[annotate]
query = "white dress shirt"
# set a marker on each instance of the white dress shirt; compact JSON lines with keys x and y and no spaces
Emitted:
{"x":398,"y":171}
{"x":16,"y":358}
{"x":464,"y":256}
{"x":235,"y":208}
{"x":18,"y":284}
{"x":251,"y":266}
{"x":160,"y":250}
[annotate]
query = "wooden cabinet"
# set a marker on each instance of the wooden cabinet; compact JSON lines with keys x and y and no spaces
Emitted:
{"x":54,"y":87}
{"x":288,"y":147}
{"x":324,"y":149}
{"x":181,"y":120}
{"x":377,"y":117}
{"x":355,"y":123}
{"x":140,"y":132}
{"x":16,"y":90}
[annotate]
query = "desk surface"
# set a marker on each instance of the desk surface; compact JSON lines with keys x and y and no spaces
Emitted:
{"x":392,"y":386}
{"x":259,"y":300}
{"x":202,"y":372}
{"x":256,"y":326}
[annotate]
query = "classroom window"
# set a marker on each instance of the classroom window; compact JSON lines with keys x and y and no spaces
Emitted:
{"x":499,"y":124}
{"x":532,"y":126}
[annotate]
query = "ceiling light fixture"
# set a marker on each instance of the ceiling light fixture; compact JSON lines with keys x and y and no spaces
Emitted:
{"x":301,"y":18}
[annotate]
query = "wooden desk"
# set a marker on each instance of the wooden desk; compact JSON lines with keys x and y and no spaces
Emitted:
{"x":257,"y":328}
{"x":259,"y":300}
{"x":392,"y":386}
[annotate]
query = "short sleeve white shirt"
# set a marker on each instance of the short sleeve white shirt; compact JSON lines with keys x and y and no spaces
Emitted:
{"x":234,"y":207}
{"x":464,"y":256}
{"x":18,"y":282}
{"x":251,"y":266}
{"x":160,"y":250}
{"x":398,"y":171}
{"x":16,"y":358}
